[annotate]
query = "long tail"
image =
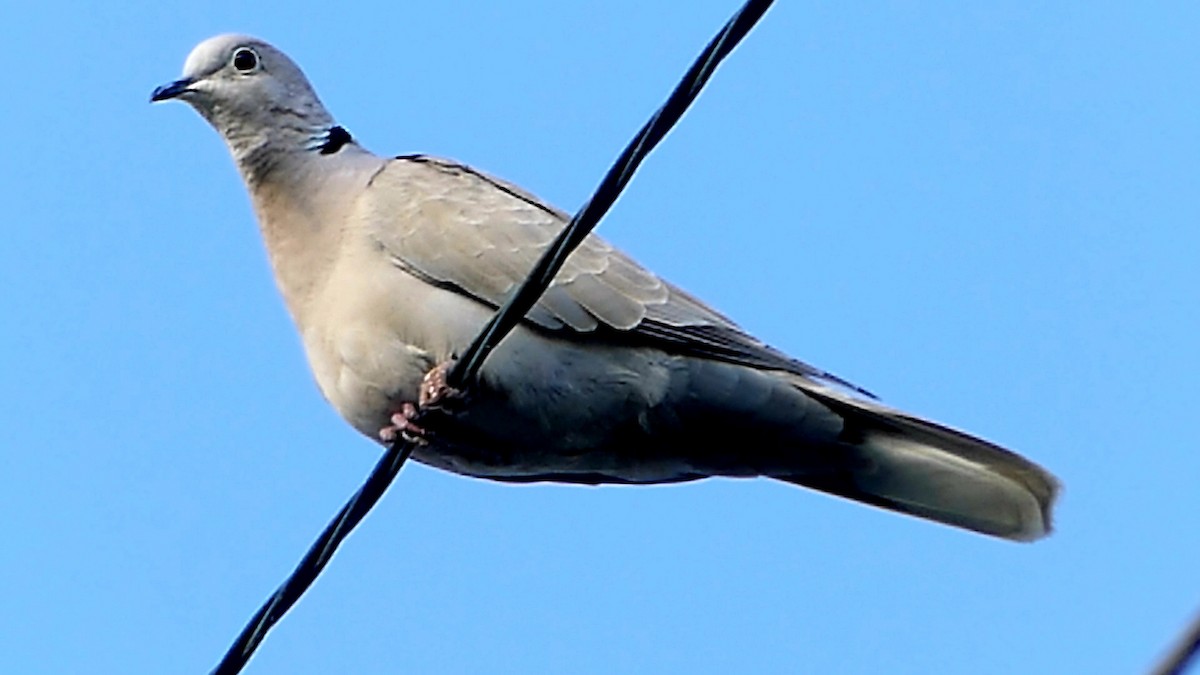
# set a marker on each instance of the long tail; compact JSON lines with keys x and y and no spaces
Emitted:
{"x":918,"y":467}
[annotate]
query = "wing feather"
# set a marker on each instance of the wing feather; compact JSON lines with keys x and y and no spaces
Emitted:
{"x":478,"y":235}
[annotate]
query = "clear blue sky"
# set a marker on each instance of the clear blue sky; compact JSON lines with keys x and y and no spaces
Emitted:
{"x":986,"y":215}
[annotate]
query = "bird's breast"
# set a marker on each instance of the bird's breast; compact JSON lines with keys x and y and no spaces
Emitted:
{"x":372,"y":332}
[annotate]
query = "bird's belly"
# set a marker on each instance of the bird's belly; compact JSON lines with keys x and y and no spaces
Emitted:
{"x":554,"y":409}
{"x":550,"y":409}
{"x":372,"y":345}
{"x":363,"y":372}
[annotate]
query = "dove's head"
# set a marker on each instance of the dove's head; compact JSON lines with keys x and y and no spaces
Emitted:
{"x":252,"y":93}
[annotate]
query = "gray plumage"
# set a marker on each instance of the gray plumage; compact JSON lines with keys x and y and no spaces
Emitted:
{"x":391,"y":266}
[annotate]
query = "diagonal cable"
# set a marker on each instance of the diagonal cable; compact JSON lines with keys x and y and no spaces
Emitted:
{"x":539,"y":278}
{"x":1183,"y":655}
{"x":469,"y":363}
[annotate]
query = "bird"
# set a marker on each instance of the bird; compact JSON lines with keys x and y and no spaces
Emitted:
{"x":389,"y":266}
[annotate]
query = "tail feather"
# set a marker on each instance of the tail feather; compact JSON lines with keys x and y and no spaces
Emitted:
{"x":922,"y":468}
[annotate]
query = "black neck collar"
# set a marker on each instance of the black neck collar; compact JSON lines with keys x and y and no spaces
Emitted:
{"x":335,"y":140}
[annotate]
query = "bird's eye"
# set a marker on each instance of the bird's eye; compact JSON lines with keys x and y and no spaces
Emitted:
{"x":245,"y":60}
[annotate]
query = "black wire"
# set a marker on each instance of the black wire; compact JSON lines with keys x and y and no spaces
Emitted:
{"x":315,"y":560}
{"x":606,"y":194}
{"x":469,"y":363}
{"x":1184,"y":653}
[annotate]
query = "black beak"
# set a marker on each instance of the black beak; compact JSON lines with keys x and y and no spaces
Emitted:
{"x":172,"y":90}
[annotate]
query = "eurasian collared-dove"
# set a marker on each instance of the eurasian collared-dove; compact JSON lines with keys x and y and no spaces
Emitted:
{"x":389,"y":268}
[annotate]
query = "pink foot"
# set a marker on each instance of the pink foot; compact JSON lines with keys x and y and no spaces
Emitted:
{"x":435,"y":394}
{"x":404,"y":426}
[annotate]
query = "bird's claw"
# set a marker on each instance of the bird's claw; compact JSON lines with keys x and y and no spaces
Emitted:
{"x":434,"y":394}
{"x":435,"y":391}
{"x":404,"y":426}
